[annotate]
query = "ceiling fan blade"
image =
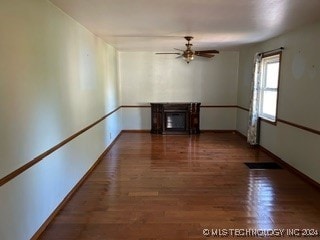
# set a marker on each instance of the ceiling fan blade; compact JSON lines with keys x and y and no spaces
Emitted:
{"x":180,"y":56}
{"x":207,"y":51}
{"x":204,"y":55}
{"x":169,"y":53}
{"x":178,"y":49}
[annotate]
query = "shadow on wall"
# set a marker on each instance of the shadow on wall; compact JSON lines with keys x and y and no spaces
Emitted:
{"x":136,"y":118}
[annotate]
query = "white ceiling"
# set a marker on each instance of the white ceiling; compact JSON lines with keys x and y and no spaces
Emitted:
{"x":160,"y":25}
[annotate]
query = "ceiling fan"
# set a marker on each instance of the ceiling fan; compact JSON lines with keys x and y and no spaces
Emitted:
{"x":188,"y":54}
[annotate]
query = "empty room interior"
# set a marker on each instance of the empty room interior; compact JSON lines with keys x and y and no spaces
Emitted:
{"x":162,"y":119}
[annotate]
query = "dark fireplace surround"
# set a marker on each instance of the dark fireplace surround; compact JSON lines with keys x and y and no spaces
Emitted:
{"x":175,"y":118}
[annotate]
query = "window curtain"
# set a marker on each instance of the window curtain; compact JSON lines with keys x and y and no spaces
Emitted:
{"x":253,"y":126}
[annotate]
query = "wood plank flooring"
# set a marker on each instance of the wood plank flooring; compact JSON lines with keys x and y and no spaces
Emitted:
{"x":174,"y":187}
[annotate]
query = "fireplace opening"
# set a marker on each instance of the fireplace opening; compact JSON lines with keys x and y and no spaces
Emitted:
{"x":175,"y":121}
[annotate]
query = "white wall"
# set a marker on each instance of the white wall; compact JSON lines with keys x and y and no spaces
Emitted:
{"x":146,"y":77}
{"x":244,"y":85}
{"x":298,"y":98}
{"x":55,"y":79}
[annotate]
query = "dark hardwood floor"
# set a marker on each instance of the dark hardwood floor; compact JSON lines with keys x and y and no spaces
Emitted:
{"x":174,"y":187}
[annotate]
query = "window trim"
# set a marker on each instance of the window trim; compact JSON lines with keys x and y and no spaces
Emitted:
{"x":267,"y":117}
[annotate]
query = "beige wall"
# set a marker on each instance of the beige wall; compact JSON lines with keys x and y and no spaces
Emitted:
{"x":146,"y":77}
{"x":55,"y":79}
{"x":298,"y":98}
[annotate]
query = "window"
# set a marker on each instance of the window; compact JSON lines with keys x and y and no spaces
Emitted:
{"x":270,"y":69}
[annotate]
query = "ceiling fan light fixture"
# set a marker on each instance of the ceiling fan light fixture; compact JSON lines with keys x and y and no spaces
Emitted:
{"x":188,"y":54}
{"x":188,"y":57}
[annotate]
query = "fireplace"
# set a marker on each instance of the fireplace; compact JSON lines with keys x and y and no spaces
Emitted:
{"x":175,"y":118}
